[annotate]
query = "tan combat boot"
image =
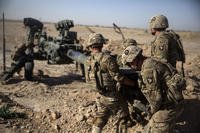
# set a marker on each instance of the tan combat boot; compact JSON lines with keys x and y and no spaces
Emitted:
{"x":96,"y":129}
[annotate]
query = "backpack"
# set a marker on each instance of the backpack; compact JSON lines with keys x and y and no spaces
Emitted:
{"x":175,"y":84}
{"x":178,"y":46}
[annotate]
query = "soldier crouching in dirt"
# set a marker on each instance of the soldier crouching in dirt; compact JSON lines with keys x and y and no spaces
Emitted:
{"x":161,"y":85}
{"x":22,"y":56}
{"x":106,"y":74}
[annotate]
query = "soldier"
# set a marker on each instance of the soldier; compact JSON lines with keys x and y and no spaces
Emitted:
{"x":161,"y":85}
{"x":106,"y":74}
{"x":126,"y":43}
{"x":22,"y":56}
{"x":166,"y":46}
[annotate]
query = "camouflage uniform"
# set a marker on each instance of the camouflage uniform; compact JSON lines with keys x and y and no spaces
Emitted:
{"x":164,"y":46}
{"x":20,"y":56}
{"x":105,"y":71}
{"x":154,"y":81}
{"x":164,"y":112}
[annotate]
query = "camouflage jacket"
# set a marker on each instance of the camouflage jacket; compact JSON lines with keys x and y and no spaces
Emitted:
{"x":163,"y":48}
{"x":104,"y":69}
{"x":154,"y":78}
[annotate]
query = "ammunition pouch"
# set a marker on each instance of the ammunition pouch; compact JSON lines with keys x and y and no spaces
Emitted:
{"x":107,"y":80}
{"x":104,"y":82}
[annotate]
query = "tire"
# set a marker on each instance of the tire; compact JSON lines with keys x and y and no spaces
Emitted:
{"x":28,"y":70}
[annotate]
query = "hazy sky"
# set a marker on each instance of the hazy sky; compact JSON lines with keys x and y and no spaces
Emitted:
{"x":182,"y":14}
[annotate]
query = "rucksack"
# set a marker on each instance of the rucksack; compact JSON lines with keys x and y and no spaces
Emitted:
{"x":178,"y":46}
{"x":176,"y":83}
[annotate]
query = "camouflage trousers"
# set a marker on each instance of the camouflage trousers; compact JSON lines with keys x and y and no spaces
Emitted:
{"x":108,"y":105}
{"x":16,"y":67}
{"x":163,"y":121}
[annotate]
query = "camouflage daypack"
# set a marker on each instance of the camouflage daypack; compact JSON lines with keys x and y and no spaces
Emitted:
{"x":18,"y":51}
{"x":175,"y":85}
{"x":178,"y":46}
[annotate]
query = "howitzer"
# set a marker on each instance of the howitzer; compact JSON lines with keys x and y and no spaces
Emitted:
{"x":33,"y":23}
{"x":66,"y":36}
{"x":55,"y":50}
{"x":64,"y":26}
{"x":33,"y":26}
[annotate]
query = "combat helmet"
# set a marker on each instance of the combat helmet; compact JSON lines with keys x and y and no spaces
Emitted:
{"x":158,"y":22}
{"x":130,"y":53}
{"x":95,"y":39}
{"x":129,"y":42}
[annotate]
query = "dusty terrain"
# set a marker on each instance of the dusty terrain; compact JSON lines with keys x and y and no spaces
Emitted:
{"x":60,"y":101}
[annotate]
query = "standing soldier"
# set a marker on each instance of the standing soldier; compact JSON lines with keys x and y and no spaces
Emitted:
{"x":105,"y":71}
{"x":161,"y":85}
{"x":167,"y":45}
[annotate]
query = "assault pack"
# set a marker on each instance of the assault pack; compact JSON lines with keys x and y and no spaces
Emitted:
{"x":176,"y":83}
{"x":178,"y":47}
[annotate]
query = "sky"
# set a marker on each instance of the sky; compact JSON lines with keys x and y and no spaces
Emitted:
{"x":182,"y":14}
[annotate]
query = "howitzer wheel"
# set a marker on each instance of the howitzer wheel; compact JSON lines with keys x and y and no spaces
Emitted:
{"x":28,"y":68}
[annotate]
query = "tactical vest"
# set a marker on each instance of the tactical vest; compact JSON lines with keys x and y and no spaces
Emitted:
{"x":98,"y":72}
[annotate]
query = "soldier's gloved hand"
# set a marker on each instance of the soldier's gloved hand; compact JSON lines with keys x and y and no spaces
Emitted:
{"x":148,"y":112}
{"x":118,"y":86}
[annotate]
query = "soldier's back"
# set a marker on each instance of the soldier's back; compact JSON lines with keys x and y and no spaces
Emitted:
{"x":168,"y":47}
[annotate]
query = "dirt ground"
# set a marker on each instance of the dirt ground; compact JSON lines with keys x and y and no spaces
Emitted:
{"x":60,"y":101}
